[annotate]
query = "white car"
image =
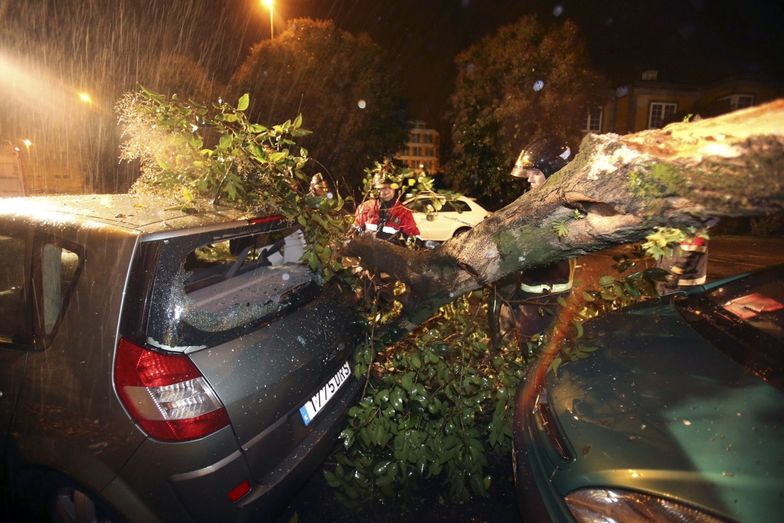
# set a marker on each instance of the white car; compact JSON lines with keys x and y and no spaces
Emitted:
{"x":455,"y":216}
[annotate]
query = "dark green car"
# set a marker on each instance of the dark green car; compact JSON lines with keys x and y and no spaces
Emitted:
{"x":679,"y":415}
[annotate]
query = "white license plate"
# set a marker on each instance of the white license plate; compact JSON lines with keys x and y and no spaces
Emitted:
{"x":319,"y":400}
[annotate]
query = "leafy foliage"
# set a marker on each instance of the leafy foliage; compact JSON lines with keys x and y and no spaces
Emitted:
{"x":435,"y":405}
{"x":616,"y":293}
{"x":344,"y":83}
{"x":207,"y":156}
{"x":663,"y":239}
{"x":499,"y":105}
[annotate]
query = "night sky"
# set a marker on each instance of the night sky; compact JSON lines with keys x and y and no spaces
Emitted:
{"x":694,"y":41}
{"x":686,"y":40}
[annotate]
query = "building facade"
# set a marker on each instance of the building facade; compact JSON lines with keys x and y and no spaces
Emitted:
{"x":648,"y":103}
{"x":422,"y":148}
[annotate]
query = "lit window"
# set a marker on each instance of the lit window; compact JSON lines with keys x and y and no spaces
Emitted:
{"x":660,"y":113}
{"x":738,"y":101}
{"x":593,"y":120}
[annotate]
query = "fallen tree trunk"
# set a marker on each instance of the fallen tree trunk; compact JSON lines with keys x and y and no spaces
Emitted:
{"x":616,"y":190}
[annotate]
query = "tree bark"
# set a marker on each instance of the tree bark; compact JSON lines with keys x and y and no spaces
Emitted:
{"x":616,"y":190}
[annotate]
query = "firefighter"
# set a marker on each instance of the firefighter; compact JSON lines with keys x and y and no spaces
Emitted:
{"x":687,"y":266}
{"x":318,"y":186}
{"x":385,"y":216}
{"x":532,"y":294}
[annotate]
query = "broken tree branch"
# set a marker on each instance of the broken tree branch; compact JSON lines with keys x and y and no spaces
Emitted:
{"x":617,"y":189}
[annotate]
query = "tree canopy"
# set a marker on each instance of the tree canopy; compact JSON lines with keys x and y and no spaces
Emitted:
{"x":342,"y":84}
{"x":526,"y":80}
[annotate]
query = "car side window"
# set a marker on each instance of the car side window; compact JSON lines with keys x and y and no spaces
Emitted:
{"x":15,"y":324}
{"x":456,"y":206}
{"x":419,"y":205}
{"x":59,"y":270}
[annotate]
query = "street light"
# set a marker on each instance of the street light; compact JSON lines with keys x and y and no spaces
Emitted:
{"x":270,"y":5}
{"x":84,"y":97}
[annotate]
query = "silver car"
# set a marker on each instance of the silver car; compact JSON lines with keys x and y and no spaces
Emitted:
{"x":157,"y":365}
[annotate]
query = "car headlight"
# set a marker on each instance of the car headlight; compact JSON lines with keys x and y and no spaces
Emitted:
{"x":606,"y":506}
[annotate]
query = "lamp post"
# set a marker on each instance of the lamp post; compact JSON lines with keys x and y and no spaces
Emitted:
{"x":270,"y":5}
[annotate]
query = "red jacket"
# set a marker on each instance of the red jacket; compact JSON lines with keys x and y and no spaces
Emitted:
{"x":387,"y":224}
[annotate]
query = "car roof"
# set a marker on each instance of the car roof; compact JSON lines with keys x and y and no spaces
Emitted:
{"x":441,"y":197}
{"x":137,"y":213}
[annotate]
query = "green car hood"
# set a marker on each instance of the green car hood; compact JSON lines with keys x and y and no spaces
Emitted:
{"x":659,"y":409}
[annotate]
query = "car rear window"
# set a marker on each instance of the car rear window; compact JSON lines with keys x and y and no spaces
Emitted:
{"x":212,"y":286}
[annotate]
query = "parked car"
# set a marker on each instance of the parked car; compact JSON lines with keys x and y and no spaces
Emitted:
{"x":454,"y":217}
{"x":162,"y":366}
{"x":678,"y":416}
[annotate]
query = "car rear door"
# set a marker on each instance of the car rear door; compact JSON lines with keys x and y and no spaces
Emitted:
{"x":272,"y":343}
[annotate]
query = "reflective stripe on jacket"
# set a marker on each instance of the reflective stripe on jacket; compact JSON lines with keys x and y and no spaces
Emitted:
{"x":555,"y":278}
{"x":689,"y":262}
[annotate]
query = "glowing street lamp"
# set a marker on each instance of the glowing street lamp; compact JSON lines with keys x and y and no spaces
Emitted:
{"x":270,"y":5}
{"x":84,"y":97}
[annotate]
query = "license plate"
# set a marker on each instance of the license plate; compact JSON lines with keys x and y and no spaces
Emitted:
{"x":319,"y":400}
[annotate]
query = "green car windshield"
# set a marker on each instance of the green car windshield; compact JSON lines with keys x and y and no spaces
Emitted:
{"x":745,"y":319}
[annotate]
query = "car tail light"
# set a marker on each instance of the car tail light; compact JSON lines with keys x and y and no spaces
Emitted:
{"x":166,"y":395}
{"x":240,"y":490}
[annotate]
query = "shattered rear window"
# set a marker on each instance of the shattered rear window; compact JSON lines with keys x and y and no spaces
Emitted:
{"x":219,"y":285}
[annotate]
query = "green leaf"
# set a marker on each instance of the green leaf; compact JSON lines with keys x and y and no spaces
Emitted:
{"x":332,"y":479}
{"x":579,"y":326}
{"x":556,"y":364}
{"x":407,"y":382}
{"x":225,"y":142}
{"x":243,"y":102}
{"x":278,"y":156}
{"x":231,"y":190}
{"x":396,"y":398}
{"x":606,"y":281}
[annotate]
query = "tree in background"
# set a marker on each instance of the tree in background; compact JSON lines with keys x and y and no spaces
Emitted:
{"x":342,"y":84}
{"x":181,"y":75}
{"x":524,"y":81}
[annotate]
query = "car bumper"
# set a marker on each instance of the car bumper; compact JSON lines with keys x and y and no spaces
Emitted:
{"x":151,"y":486}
